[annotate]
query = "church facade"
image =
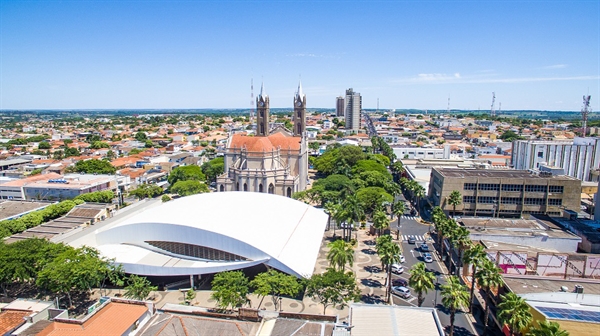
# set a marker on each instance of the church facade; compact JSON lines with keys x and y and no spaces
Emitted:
{"x":272,"y":161}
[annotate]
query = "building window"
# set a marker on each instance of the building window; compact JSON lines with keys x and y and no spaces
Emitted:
{"x":535,"y":188}
{"x":540,"y":154}
{"x":195,"y":251}
{"x":556,"y":189}
{"x":489,"y":186}
{"x":222,"y":188}
{"x":289,"y":192}
{"x":237,"y":186}
{"x":555,"y":201}
{"x":468,"y":199}
{"x":271,"y":188}
{"x":487,"y":199}
{"x":512,"y":187}
{"x":470,"y":186}
{"x":535,"y":201}
{"x":510,"y":200}
{"x":245,"y":187}
{"x":260,"y":188}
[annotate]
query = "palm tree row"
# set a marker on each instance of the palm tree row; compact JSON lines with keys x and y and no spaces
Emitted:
{"x":417,"y":191}
{"x":389,"y":254}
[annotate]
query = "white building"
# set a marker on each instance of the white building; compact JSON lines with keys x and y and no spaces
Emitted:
{"x":580,"y":157}
{"x":422,"y":153}
{"x":215,"y":232}
{"x":352,"y":108}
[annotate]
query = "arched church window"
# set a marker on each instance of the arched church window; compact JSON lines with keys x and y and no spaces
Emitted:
{"x":245,"y":187}
{"x":237,"y":186}
{"x":222,"y":188}
{"x":289,"y":192}
{"x":271,"y":188}
{"x":260,"y":188}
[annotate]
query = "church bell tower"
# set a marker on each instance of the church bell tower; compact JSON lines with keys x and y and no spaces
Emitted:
{"x":299,"y":112}
{"x":262,"y":112}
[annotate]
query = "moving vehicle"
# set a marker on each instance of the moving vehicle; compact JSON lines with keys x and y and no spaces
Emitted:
{"x":402,"y":259}
{"x":424,"y":247}
{"x":401,"y":291}
{"x":412,"y":240}
{"x":397,"y":269}
{"x":427,"y":257}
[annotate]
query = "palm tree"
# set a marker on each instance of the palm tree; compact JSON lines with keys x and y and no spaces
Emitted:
{"x":421,"y":280}
{"x":380,"y":221}
{"x":389,"y":253}
{"x":330,"y":209}
{"x":547,"y":328}
{"x":514,"y":312}
{"x":460,"y":240}
{"x":397,"y":168}
{"x":488,"y":277}
{"x":354,"y":210}
{"x":398,"y":209}
{"x":340,"y":254}
{"x":454,"y":297}
{"x":454,"y":199}
{"x":474,"y":256}
{"x":419,"y":193}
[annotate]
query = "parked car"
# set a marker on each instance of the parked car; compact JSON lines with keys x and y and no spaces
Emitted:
{"x":400,"y":282}
{"x":424,"y":247}
{"x":427,"y":257}
{"x":397,"y":269}
{"x":401,"y":291}
{"x":412,"y":240}
{"x":402,"y":259}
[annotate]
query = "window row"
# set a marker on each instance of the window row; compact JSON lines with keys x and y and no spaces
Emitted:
{"x":511,"y":200}
{"x":196,"y":251}
{"x":514,"y":187}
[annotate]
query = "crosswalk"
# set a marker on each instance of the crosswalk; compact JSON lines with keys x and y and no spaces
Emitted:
{"x":417,"y":238}
{"x":408,"y":217}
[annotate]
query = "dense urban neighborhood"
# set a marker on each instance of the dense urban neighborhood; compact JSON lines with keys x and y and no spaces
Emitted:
{"x":299,"y":222}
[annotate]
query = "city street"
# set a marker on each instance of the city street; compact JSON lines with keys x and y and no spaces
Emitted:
{"x":411,"y":227}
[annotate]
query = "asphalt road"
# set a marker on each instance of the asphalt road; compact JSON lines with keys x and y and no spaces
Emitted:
{"x":413,"y":255}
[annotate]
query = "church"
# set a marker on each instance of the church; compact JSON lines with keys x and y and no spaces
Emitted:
{"x":273,"y":161}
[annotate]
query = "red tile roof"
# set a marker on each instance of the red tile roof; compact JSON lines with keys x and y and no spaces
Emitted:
{"x":10,"y":319}
{"x":259,"y":143}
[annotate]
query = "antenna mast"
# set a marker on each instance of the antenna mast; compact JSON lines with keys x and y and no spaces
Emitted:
{"x":584,"y":113}
{"x":251,"y":100}
{"x":448,"y":109}
{"x":493,"y":111}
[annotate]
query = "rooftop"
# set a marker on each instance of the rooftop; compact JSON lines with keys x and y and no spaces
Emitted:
{"x":394,"y":320}
{"x":497,"y":173}
{"x":521,"y":284}
{"x":9,"y":209}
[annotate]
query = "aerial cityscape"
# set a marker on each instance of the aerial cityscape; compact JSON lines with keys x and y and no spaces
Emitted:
{"x":299,"y":168}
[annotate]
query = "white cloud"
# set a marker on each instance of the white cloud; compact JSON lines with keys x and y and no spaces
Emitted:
{"x":555,"y":66}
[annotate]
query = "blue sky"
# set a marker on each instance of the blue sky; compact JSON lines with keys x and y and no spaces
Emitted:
{"x":541,"y":55}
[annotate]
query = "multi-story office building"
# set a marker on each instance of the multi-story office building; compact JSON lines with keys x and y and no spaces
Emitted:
{"x":504,"y":193}
{"x":579,"y":157}
{"x":339,"y":106}
{"x":352,"y":108}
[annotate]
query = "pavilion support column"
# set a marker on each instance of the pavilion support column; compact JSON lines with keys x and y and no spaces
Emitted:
{"x":192,"y":281}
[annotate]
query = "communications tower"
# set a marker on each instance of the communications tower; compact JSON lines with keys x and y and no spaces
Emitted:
{"x":493,"y":111}
{"x":251,"y":101}
{"x":585,"y":110}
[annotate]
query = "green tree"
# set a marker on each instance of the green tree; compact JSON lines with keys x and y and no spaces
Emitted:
{"x":190,"y":295}
{"x":421,"y":280}
{"x":165,"y":198}
{"x":186,"y":173}
{"x":276,"y":284}
{"x":454,"y":297}
{"x":373,"y":197}
{"x":353,"y":212}
{"x":398,"y":209}
{"x":230,"y":289}
{"x":138,"y":287}
{"x":454,"y":199}
{"x":380,"y":221}
{"x":514,"y":311}
{"x":141,"y":136}
{"x":460,"y":239}
{"x":104,"y":196}
{"x":547,"y":328}
{"x":389,"y":254}
{"x":71,"y":151}
{"x":488,"y":277}
{"x":191,"y":187}
{"x":213,"y":168}
{"x":146,"y":191}
{"x":340,"y":253}
{"x":474,"y":256}
{"x":44,"y":145}
{"x":94,"y":166}
{"x":333,"y":288}
{"x":99,"y":144}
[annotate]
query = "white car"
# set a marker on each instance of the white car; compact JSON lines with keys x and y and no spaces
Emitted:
{"x":402,"y":259}
{"x":401,"y":291}
{"x":397,"y":269}
{"x":427,"y":257}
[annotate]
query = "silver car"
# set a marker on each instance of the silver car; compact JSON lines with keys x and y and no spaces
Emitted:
{"x":401,"y":291}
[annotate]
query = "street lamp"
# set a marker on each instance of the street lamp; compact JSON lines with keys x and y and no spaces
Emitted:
{"x":437,"y":283}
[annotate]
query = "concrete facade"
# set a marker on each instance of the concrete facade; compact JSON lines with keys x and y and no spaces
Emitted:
{"x":579,"y":157}
{"x":352,"y":108}
{"x":504,"y":193}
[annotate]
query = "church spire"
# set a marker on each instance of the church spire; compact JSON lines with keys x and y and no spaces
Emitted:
{"x":300,"y":93}
{"x":262,"y":93}
{"x":299,"y":112}
{"x":262,"y":107}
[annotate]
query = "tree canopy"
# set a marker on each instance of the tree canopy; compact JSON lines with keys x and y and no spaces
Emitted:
{"x":191,"y":187}
{"x":94,"y":166}
{"x":186,"y":173}
{"x":333,"y":288}
{"x":276,"y":284}
{"x":230,"y":289}
{"x":213,"y":168}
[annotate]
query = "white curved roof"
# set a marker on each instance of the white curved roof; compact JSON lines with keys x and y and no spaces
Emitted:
{"x":264,"y":228}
